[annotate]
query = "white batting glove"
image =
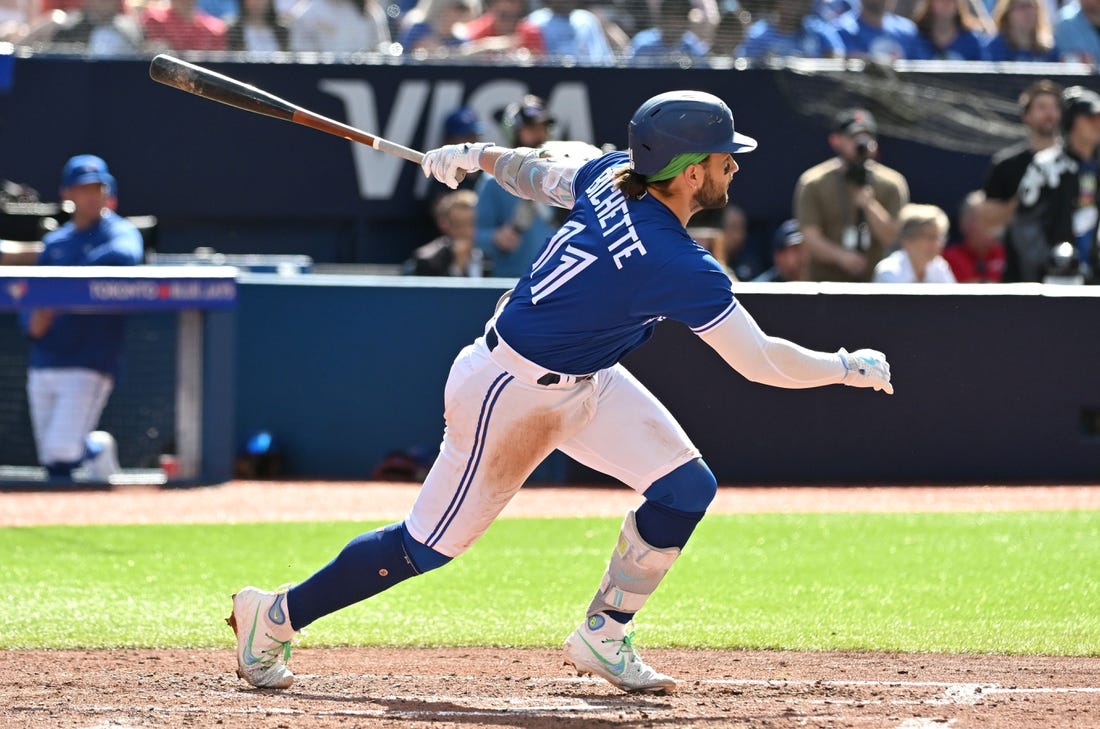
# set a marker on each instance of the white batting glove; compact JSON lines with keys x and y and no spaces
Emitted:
{"x":450,"y":163}
{"x":866,"y":368}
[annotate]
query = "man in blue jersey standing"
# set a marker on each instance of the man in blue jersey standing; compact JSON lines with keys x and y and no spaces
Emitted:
{"x":74,"y":356}
{"x":545,"y":375}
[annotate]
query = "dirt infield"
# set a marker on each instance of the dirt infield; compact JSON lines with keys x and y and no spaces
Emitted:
{"x":478,"y":687}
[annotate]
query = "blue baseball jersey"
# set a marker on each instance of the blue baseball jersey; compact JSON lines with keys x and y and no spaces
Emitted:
{"x":897,"y":38}
{"x":613,"y":270}
{"x":968,"y":45}
{"x":90,"y":341}
{"x":815,"y":39}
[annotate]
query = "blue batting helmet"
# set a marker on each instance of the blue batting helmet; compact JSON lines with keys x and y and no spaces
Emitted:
{"x":677,"y":122}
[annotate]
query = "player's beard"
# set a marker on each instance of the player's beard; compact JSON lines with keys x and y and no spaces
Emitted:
{"x":713,"y":195}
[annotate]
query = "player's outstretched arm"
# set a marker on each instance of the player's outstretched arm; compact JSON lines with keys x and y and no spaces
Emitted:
{"x":781,"y":363}
{"x":528,"y":173}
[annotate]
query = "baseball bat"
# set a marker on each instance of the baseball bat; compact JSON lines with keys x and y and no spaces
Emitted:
{"x":203,"y":82}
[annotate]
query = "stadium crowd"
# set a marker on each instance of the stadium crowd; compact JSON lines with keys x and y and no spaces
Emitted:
{"x":854,"y":217}
{"x":585,"y":32}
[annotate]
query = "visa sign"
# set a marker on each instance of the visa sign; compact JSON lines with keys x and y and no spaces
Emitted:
{"x":378,"y":174}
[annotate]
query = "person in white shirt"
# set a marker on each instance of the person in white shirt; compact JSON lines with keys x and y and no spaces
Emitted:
{"x":920,"y":245}
{"x":338,"y":26}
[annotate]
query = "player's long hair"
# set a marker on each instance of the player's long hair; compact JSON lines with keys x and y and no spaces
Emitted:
{"x":635,"y":186}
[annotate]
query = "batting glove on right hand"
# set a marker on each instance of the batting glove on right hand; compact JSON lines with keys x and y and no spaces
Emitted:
{"x":450,"y":163}
{"x":866,"y":368}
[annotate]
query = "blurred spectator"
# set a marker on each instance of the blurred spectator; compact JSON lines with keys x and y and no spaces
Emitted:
{"x":620,"y":21}
{"x":1075,"y":32}
{"x":178,"y":25}
{"x":920,"y":245}
{"x":1041,"y":112}
{"x":503,"y":29}
{"x":339,"y":26}
{"x":703,"y":15}
{"x":977,"y":257}
{"x":74,"y":357}
{"x":792,"y":30}
{"x":878,"y":34}
{"x":730,"y":33}
{"x":258,"y":29}
{"x":788,"y":255}
{"x":830,"y":10}
{"x":907,"y":8}
{"x":1057,"y":195}
{"x":17,"y":19}
{"x":737,"y":255}
{"x":670,"y":40}
{"x":224,"y":10}
{"x":947,"y":30}
{"x":432,"y":27}
{"x":98,"y":28}
{"x":511,"y":230}
{"x":453,"y":253}
{"x":571,"y":32}
{"x":1024,"y":32}
{"x":463,"y":125}
{"x":848,"y":205}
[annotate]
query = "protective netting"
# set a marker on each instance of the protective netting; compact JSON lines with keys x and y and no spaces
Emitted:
{"x":923,"y":107}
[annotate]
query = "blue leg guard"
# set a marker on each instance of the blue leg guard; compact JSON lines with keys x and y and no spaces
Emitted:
{"x":371,"y":563}
{"x":675,"y":503}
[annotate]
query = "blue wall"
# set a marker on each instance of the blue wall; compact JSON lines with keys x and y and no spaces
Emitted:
{"x":993,"y":385}
{"x":343,"y":370}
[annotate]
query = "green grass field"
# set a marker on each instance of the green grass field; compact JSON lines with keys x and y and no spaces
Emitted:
{"x":1010,"y":582}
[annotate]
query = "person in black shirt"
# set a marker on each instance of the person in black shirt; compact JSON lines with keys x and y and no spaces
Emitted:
{"x":1058,"y":201}
{"x":1041,"y":113}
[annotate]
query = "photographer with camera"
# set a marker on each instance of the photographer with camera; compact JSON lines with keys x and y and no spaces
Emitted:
{"x":848,"y":206}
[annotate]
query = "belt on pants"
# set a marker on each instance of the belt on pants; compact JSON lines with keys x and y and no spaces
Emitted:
{"x":547,"y":379}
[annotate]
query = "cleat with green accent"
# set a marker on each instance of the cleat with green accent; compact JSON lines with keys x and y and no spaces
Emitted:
{"x":602,"y":647}
{"x":264,"y":636}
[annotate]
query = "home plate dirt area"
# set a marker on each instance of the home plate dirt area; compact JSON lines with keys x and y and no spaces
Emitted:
{"x":494,"y":687}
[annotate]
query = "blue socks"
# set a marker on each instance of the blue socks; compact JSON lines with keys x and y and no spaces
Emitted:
{"x":371,"y":563}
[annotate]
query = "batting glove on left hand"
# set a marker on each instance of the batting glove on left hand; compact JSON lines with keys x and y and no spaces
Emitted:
{"x":450,"y":163}
{"x":866,"y":368}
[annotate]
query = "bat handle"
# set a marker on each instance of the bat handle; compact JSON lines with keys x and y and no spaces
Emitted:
{"x":384,"y":145}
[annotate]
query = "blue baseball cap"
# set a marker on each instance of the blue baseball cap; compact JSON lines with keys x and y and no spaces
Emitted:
{"x":463,"y":122}
{"x":788,"y":234}
{"x":85,"y":169}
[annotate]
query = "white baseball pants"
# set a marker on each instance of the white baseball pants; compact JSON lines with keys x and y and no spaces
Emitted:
{"x":65,"y":405}
{"x":500,"y":424}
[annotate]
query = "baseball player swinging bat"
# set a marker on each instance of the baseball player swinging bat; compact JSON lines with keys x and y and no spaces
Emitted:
{"x":203,"y":82}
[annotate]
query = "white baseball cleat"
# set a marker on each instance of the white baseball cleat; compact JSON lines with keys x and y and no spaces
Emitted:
{"x":264,"y":635}
{"x":602,"y":647}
